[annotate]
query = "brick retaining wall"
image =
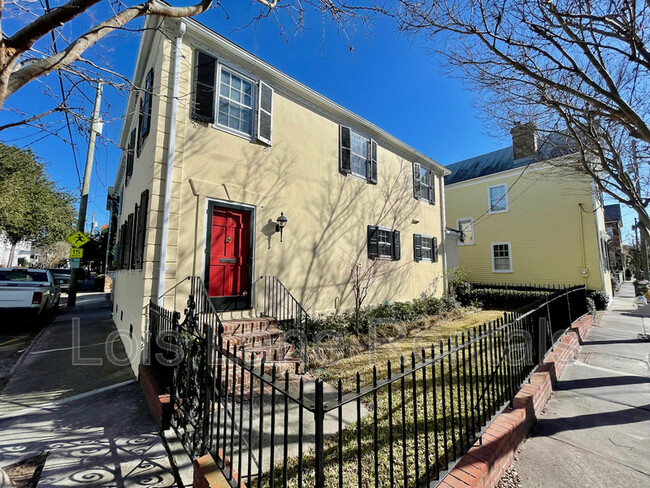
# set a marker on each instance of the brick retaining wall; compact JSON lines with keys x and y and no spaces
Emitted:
{"x":157,"y":396}
{"x":486,"y":462}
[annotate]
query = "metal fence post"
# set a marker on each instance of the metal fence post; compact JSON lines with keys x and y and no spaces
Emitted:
{"x":319,"y":416}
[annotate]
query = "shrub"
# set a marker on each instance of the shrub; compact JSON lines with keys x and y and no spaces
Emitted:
{"x":497,"y":298}
{"x":464,"y":293}
{"x":600,"y":299}
{"x":386,"y":313}
{"x":591,"y":306}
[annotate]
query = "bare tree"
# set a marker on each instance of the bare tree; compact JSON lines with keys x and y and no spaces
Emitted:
{"x":579,"y":67}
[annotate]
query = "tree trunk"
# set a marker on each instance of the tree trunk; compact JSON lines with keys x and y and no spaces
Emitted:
{"x":10,"y":260}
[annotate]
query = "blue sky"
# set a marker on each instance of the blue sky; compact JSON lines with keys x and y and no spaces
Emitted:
{"x":387,"y":78}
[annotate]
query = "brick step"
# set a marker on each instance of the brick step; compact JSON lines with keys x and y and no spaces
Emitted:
{"x":270,"y":353}
{"x":244,"y":326}
{"x":260,"y":338}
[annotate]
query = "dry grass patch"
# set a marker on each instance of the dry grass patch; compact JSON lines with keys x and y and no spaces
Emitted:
{"x":394,"y":341}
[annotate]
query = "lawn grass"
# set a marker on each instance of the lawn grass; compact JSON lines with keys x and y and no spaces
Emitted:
{"x":395,"y":426}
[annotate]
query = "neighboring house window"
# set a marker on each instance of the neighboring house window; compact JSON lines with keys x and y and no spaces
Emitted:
{"x":357,"y":155}
{"x":130,"y":156}
{"x":466,"y":227}
{"x":425,"y":248}
{"x":145,"y":110}
{"x":501,"y":257}
{"x":423,"y":183}
{"x":235,"y":102}
{"x":383,"y":243}
{"x":498,"y":198}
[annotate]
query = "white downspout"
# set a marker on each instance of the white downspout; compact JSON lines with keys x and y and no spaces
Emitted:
{"x":170,"y":165}
{"x":443,"y":232}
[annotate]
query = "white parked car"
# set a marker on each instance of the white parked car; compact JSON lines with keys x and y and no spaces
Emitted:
{"x":31,"y":290}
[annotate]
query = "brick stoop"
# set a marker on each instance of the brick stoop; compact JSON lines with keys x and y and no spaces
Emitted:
{"x":256,"y":340}
{"x":487,"y":461}
{"x":157,"y":395}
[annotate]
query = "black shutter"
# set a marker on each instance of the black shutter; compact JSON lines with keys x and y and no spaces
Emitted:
{"x":142,"y":226}
{"x":432,"y":188}
{"x":416,"y":180}
{"x":128,"y":242}
{"x":120,"y":247}
{"x":417,"y":247}
{"x":434,"y":249}
{"x":372,"y":161}
{"x":135,"y":259}
{"x":397,"y":252}
{"x":264,"y":113}
{"x":129,"y":157}
{"x":373,"y":241}
{"x":344,"y":150}
{"x":204,"y":87}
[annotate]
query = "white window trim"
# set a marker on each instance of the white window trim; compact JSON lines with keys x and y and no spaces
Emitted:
{"x":226,"y":128}
{"x":390,"y":231}
{"x":431,"y":183}
{"x":471,"y":219}
{"x":492,"y":244}
{"x":422,"y":258}
{"x":505,"y":197}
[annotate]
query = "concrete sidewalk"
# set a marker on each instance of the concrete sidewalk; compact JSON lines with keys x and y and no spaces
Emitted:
{"x":596,"y":429}
{"x":91,"y":417}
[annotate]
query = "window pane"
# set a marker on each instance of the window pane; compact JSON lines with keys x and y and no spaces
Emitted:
{"x":235,"y":108}
{"x":359,"y":149}
{"x":427,"y":246}
{"x":466,"y":227}
{"x":385,"y":243}
{"x":498,"y":199}
{"x":501,"y":256}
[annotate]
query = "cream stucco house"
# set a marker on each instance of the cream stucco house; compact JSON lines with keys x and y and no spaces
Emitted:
{"x":527,"y":220}
{"x":232,"y":171}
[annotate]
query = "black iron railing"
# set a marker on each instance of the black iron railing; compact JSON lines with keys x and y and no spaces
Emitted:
{"x":404,"y":424}
{"x":278,"y":302}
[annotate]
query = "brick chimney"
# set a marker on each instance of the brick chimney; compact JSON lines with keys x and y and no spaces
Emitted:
{"x":524,"y":140}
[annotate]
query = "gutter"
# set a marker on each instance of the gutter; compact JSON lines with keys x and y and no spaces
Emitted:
{"x":170,"y":165}
{"x":443,"y":234}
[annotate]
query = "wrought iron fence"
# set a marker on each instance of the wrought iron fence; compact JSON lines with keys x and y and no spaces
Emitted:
{"x":403,"y":424}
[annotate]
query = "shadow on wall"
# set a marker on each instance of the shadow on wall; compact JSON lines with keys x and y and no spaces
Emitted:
{"x":316,"y":266}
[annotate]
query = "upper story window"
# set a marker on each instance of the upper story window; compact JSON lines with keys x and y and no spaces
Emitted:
{"x":357,"y":155}
{"x":235,"y":102}
{"x":501,"y":257}
{"x":498,"y":198}
{"x":425,"y":248}
{"x":231,"y":100}
{"x":423,"y":183}
{"x":383,"y":243}
{"x":130,"y":157}
{"x":466,"y":227}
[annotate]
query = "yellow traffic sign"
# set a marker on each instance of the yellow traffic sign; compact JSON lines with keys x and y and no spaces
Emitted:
{"x":76,"y":252}
{"x":78,"y":239}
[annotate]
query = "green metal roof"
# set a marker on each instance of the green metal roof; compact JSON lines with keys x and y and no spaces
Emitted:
{"x":551,"y":146}
{"x":485,"y":164}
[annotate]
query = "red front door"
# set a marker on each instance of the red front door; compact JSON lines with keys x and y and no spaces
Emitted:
{"x":229,"y":258}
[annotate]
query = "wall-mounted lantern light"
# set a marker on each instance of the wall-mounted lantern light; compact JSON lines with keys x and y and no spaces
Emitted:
{"x":281,"y":222}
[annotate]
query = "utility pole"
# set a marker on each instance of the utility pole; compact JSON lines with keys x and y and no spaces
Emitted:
{"x":95,"y":128}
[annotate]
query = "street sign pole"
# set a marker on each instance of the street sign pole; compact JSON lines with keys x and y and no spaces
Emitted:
{"x":95,"y":125}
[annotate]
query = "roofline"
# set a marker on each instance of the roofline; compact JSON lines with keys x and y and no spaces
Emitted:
{"x":309,"y":95}
{"x":536,"y":166}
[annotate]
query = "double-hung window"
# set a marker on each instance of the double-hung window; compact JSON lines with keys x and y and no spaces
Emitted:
{"x":425,"y":248}
{"x":383,"y":243}
{"x":357,"y":155}
{"x":230,"y":100}
{"x":145,"y":110}
{"x":235,"y":102}
{"x":501,"y":257}
{"x":423,"y":188}
{"x":466,"y":227}
{"x":498,"y":198}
